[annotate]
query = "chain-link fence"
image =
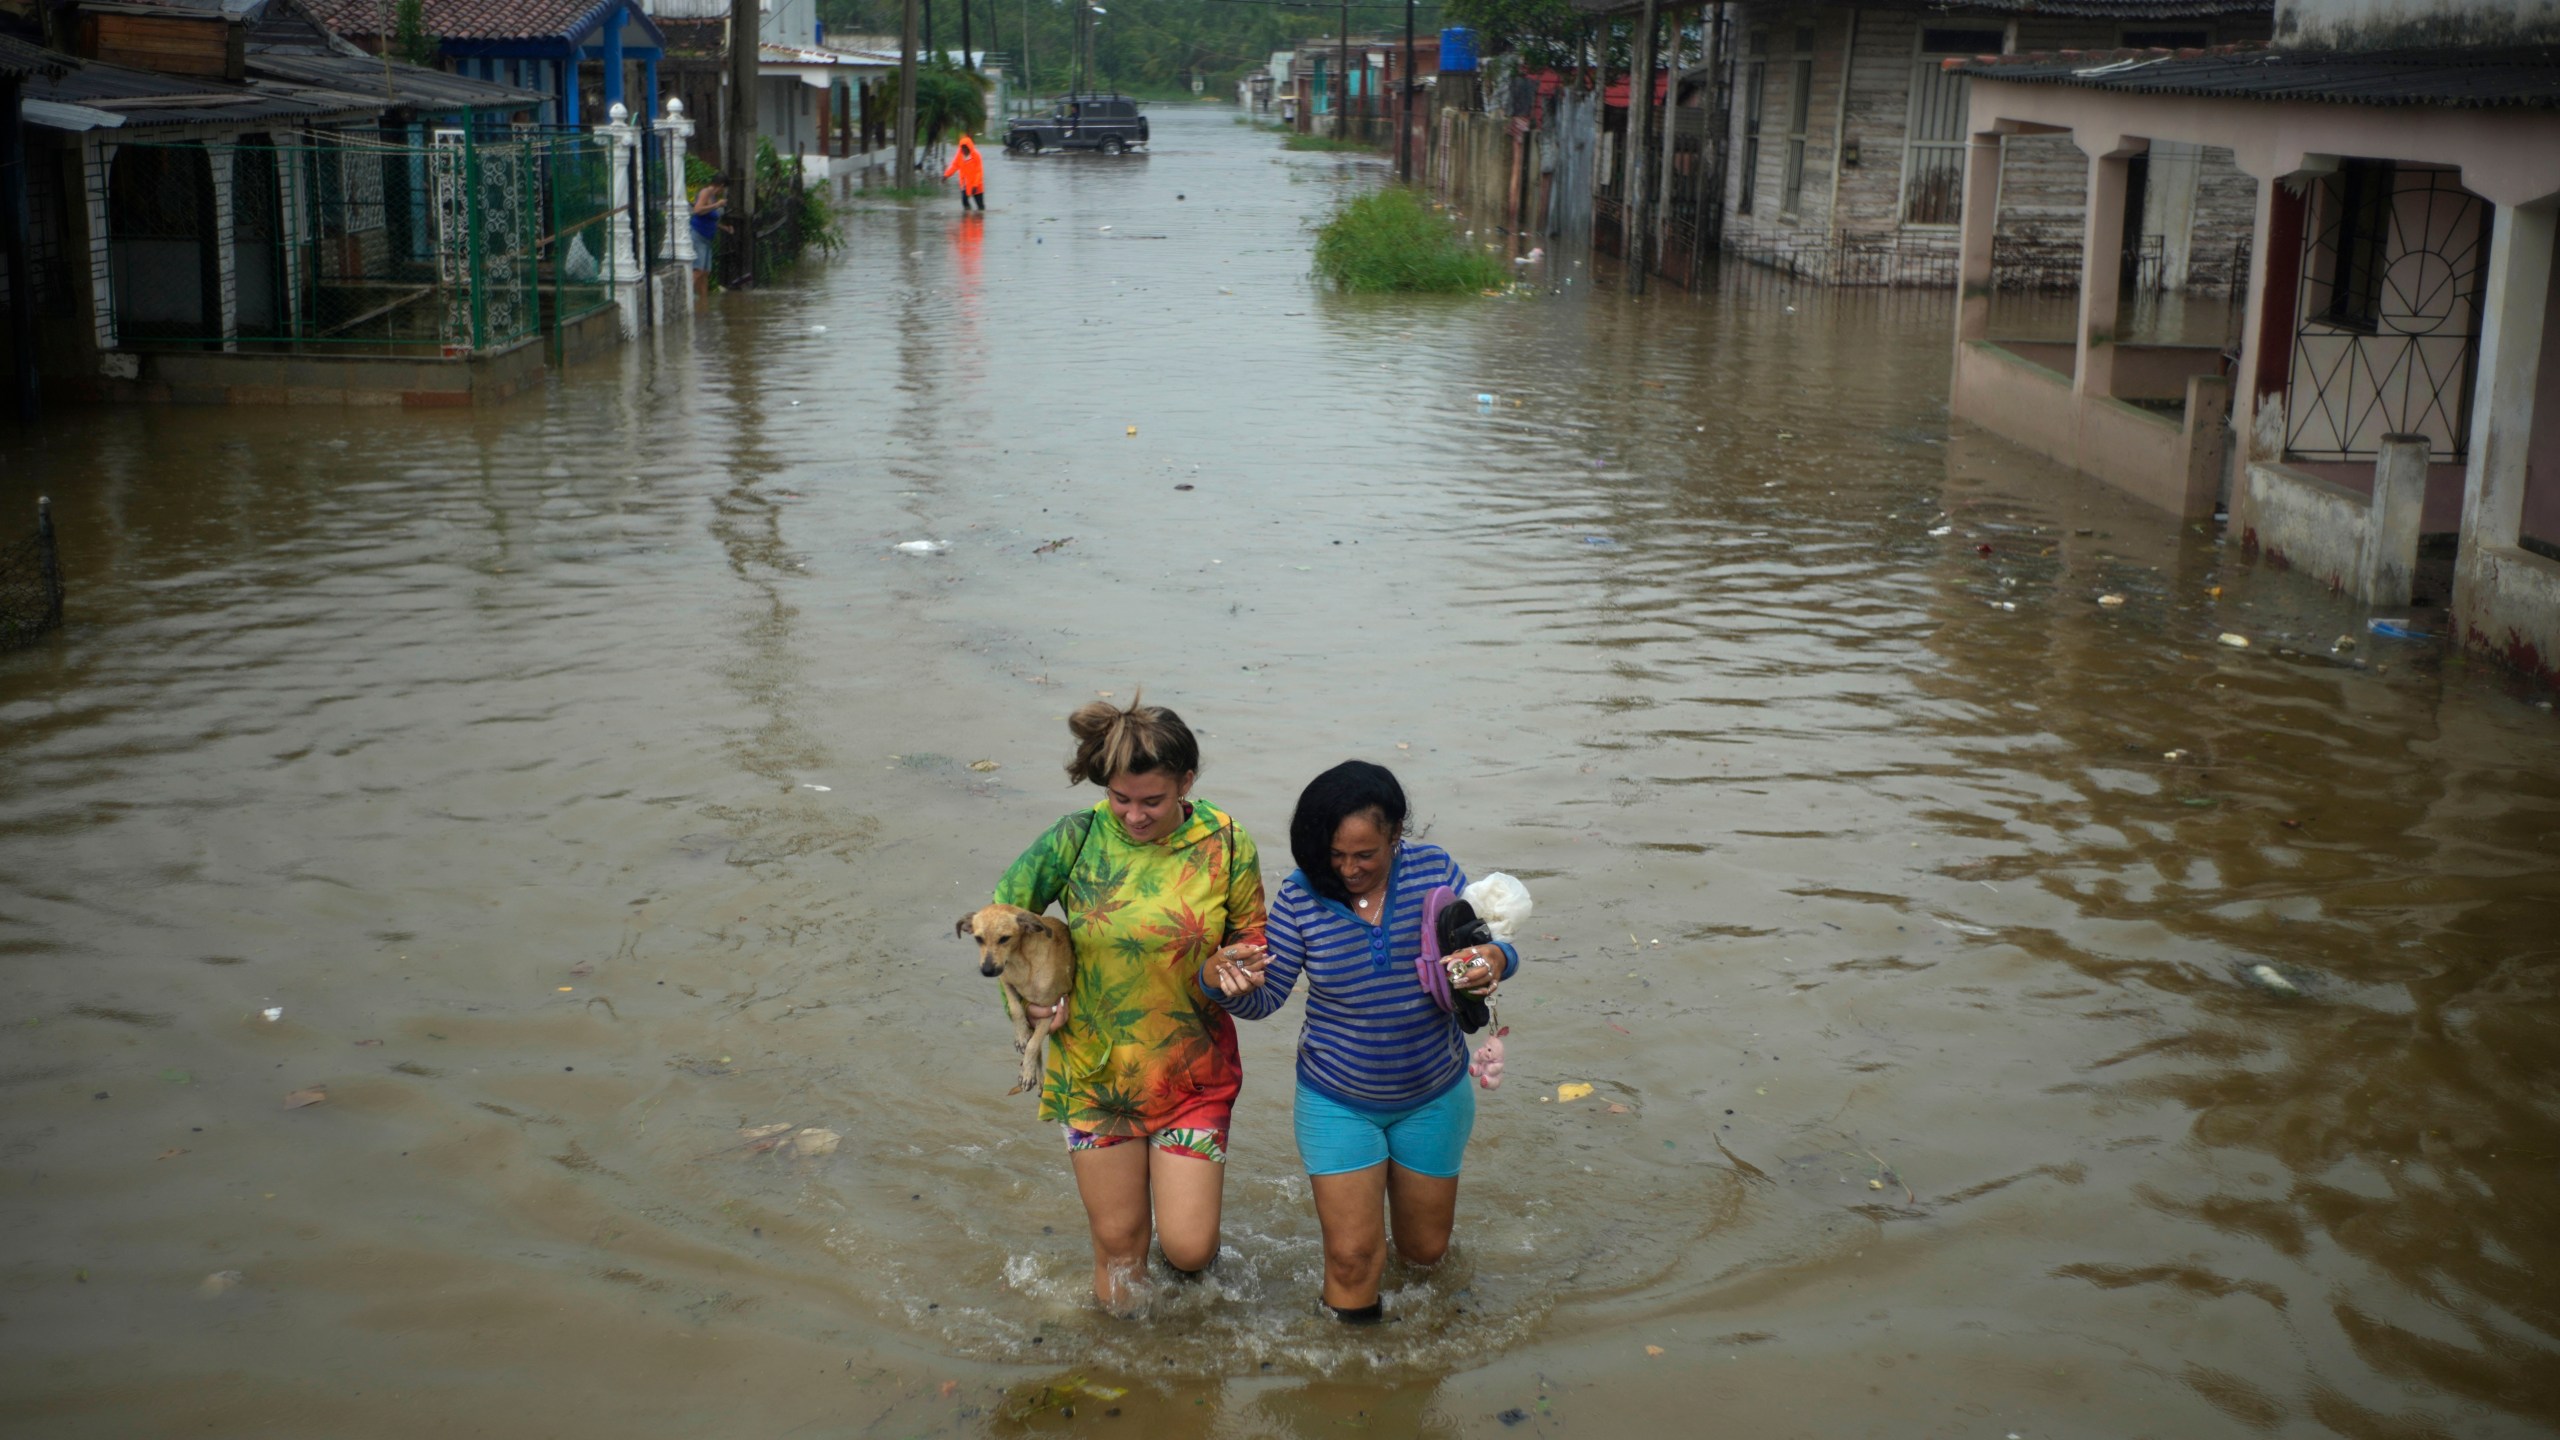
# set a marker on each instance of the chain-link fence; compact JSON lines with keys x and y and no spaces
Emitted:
{"x":30,"y":582}
{"x":355,"y":243}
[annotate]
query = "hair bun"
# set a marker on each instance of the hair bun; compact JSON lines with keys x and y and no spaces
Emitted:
{"x":1142,"y":739}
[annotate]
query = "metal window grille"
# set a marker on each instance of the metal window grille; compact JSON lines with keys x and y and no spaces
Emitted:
{"x":2361,"y":203}
{"x":2399,"y":362}
{"x":357,"y":242}
{"x":48,"y":279}
{"x":1933,"y":137}
{"x":1755,"y":85}
{"x":1799,"y":119}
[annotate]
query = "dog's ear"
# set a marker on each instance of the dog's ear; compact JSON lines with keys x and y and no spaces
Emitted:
{"x":962,"y":929}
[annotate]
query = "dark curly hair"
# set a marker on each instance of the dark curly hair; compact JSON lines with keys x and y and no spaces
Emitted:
{"x":1354,"y":787}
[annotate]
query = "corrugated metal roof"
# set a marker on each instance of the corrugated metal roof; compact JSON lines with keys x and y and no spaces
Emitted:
{"x":404,"y":87}
{"x":2505,"y":77}
{"x":18,"y":59}
{"x":147,"y":99}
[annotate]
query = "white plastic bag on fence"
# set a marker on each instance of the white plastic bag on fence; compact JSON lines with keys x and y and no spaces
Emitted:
{"x":579,"y":265}
{"x":1501,"y":902}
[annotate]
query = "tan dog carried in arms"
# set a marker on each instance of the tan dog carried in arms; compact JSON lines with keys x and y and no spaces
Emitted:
{"x":1035,"y":957}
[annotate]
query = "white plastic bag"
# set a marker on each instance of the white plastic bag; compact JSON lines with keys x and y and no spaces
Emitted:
{"x":1501,"y":902}
{"x":579,"y":264}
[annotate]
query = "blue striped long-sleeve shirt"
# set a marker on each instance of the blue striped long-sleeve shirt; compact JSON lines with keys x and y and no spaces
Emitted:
{"x":1373,"y":1038}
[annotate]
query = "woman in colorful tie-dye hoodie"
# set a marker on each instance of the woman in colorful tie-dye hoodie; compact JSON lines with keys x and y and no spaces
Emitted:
{"x":1153,"y":884}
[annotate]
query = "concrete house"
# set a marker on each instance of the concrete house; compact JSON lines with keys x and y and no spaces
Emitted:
{"x":825,"y":101}
{"x":2394,"y":395}
{"x":1845,"y":139}
{"x":225,"y":202}
{"x":586,"y":55}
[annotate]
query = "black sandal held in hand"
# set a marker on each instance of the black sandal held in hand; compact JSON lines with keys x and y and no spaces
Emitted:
{"x":1458,"y":929}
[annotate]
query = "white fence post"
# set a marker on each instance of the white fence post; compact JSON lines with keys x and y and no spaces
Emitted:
{"x":677,"y":245}
{"x":622,"y":248}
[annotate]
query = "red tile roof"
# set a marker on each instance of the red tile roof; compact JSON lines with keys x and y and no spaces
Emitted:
{"x":470,"y":19}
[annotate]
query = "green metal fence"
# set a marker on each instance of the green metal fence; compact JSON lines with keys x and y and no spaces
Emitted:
{"x":359,"y":243}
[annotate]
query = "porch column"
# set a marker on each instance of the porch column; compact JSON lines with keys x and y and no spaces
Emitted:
{"x":622,"y":246}
{"x":569,"y":111}
{"x":1980,"y":220}
{"x":2265,"y":371}
{"x":649,"y":82}
{"x":613,"y":22}
{"x":676,"y":245}
{"x":2093,"y":370}
{"x":2512,"y":314}
{"x":226,"y":247}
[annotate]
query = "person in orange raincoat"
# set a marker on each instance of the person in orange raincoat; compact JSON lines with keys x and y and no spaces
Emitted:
{"x":972,"y":170}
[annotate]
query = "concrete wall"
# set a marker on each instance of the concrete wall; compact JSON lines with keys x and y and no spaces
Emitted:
{"x":217,"y":379}
{"x":2300,"y":521}
{"x":2173,"y":463}
{"x":2386,"y":24}
{"x":2542,"y":457}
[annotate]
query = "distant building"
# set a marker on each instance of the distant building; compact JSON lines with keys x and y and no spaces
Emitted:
{"x":1320,"y":82}
{"x":1845,"y":138}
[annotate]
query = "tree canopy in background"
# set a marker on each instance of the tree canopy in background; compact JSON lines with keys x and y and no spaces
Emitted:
{"x":1542,"y":33}
{"x":1141,"y":47}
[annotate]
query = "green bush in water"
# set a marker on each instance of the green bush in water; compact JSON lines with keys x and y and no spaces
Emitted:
{"x":1295,"y":141}
{"x":1390,"y":240}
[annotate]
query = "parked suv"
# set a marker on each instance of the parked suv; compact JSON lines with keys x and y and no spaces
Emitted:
{"x":1108,"y":123}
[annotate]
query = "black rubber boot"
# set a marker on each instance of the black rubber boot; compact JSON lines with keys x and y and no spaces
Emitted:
{"x":1369,"y":1314}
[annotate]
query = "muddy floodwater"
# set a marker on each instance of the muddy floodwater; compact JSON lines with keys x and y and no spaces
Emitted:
{"x":2002,"y":1014}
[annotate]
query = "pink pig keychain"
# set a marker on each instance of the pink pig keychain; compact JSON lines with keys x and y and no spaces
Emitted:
{"x":1486,"y":1063}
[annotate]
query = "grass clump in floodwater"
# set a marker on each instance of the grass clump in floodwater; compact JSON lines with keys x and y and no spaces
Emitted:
{"x":1296,"y":141}
{"x":1388,"y":240}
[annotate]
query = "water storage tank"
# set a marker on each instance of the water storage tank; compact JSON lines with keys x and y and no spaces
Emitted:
{"x":1457,"y":51}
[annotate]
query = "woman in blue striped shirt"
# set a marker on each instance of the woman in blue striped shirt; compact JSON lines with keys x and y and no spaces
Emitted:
{"x":1383,"y":1106}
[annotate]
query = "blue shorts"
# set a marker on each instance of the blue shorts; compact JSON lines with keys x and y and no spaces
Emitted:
{"x":1427,"y":1139}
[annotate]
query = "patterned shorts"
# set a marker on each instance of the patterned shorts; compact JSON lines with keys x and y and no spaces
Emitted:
{"x":1197,"y":1142}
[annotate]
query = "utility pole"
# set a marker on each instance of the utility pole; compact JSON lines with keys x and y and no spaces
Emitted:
{"x":1633,"y":228}
{"x":906,"y":95}
{"x":1404,"y":112}
{"x":739,"y":130}
{"x":1342,"y":62}
{"x":965,"y":62}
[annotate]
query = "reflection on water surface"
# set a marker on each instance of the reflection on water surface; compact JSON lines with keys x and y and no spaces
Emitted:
{"x":2003,"y":1013}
